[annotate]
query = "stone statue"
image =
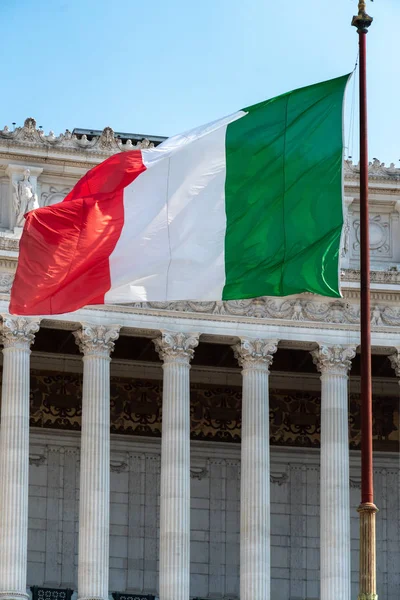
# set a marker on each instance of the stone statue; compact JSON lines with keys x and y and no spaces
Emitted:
{"x":25,"y":198}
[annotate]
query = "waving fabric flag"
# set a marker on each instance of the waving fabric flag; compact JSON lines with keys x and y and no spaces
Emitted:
{"x":247,"y":206}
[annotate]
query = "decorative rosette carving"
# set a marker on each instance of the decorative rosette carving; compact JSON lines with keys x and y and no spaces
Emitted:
{"x":255,"y":353}
{"x":97,"y":340}
{"x":176,"y":347}
{"x":19,"y":332}
{"x":335,"y":359}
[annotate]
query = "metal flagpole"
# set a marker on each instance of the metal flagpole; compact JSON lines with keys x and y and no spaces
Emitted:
{"x":367,"y":508}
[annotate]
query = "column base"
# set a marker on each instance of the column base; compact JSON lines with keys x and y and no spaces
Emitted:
{"x":13,"y":596}
{"x":367,"y":597}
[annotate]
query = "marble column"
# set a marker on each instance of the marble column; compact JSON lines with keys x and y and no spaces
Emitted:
{"x":96,"y":342}
{"x":255,"y":358}
{"x":176,"y":351}
{"x":334,"y":362}
{"x":17,"y":337}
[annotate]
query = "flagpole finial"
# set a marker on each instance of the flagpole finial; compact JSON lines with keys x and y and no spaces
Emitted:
{"x":362,"y":21}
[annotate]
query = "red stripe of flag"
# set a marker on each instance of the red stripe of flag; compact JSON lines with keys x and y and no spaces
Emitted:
{"x":64,"y":249}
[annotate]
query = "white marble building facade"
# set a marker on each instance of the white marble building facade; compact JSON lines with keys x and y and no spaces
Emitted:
{"x":170,"y":517}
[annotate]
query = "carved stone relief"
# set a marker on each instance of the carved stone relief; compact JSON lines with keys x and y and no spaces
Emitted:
{"x":384,"y":230}
{"x":380,"y":236}
{"x":297,"y":309}
{"x":53,"y":194}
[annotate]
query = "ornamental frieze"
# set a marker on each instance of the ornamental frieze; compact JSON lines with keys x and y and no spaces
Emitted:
{"x":290,"y":309}
{"x":215,"y":411}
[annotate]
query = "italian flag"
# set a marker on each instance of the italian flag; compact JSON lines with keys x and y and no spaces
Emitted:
{"x":249,"y":205}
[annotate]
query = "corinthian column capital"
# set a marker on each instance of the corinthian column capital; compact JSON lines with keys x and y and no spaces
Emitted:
{"x":97,"y":340}
{"x":176,"y":347}
{"x":255,"y":353}
{"x":18,"y":332}
{"x":333,"y":359}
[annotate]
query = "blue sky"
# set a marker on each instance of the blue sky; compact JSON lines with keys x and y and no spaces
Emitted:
{"x":163,"y":66}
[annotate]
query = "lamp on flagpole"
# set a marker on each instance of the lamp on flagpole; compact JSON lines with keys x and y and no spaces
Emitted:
{"x":367,"y":509}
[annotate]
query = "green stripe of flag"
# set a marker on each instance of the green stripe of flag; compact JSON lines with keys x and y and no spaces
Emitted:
{"x":283,"y":195}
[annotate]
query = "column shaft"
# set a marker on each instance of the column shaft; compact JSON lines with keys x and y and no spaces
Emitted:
{"x":255,"y":562}
{"x":255,"y":356}
{"x":335,"y":493}
{"x":334,"y":363}
{"x":94,"y":501}
{"x":14,"y":457}
{"x":176,"y":351}
{"x":94,"y":479}
{"x":175,"y":484}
